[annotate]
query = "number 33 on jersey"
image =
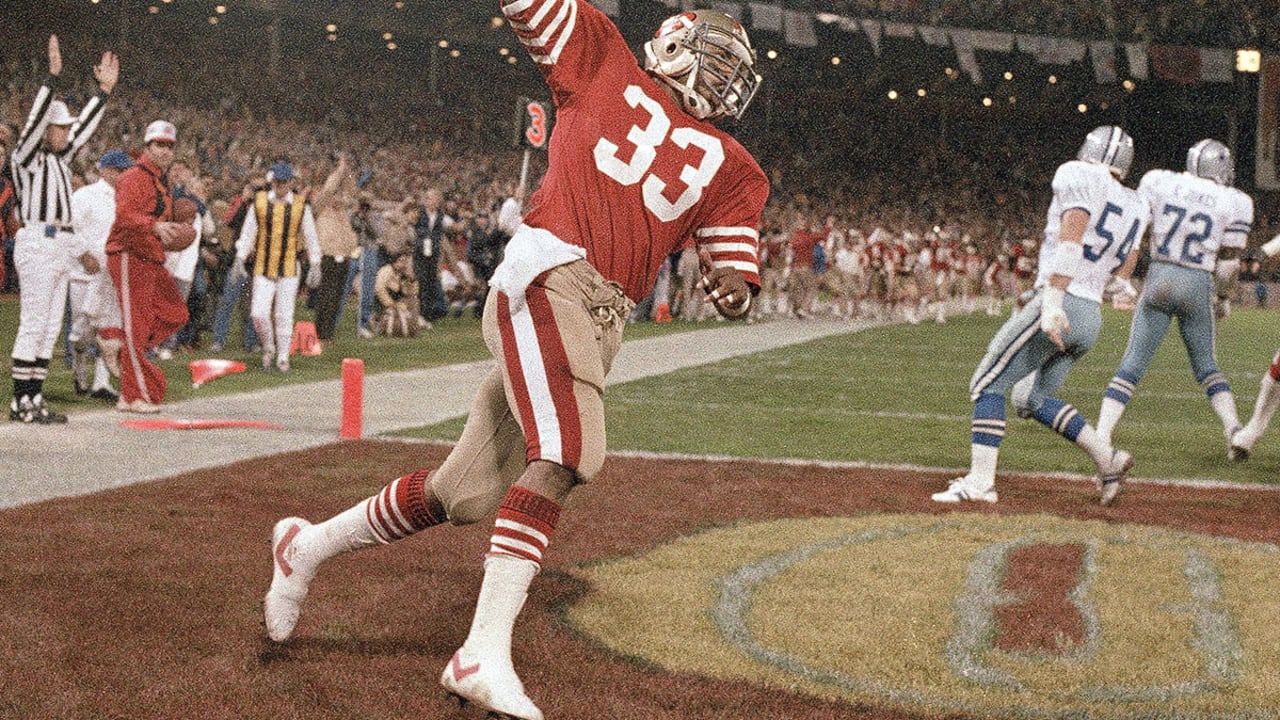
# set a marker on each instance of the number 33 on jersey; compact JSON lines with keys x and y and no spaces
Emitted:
{"x":659,"y":175}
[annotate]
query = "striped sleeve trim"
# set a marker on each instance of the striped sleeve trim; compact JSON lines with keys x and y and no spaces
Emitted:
{"x":723,"y":231}
{"x":544,"y":39}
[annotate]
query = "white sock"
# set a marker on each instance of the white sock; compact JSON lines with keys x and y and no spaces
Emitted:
{"x":1098,"y":448}
{"x":982,"y":465}
{"x":1109,"y":416}
{"x":502,"y":595}
{"x":347,"y":531}
{"x":1265,"y":406}
{"x":1224,"y":404}
{"x":101,"y":376}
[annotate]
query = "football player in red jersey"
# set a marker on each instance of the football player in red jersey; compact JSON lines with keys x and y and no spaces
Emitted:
{"x":635,"y":169}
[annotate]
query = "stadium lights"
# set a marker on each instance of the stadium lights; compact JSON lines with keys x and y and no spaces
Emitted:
{"x":1248,"y":61}
{"x":1053,"y":79}
{"x":986,"y":102}
{"x":1008,"y":75}
{"x":893,"y":94}
{"x":921,"y":92}
{"x":835,"y":60}
{"x":1082,"y":108}
{"x":1128,"y":85}
{"x":772,"y":54}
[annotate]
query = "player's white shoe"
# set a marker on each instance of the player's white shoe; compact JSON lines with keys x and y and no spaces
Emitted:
{"x":965,"y":489}
{"x":1111,"y":478}
{"x":290,"y":576}
{"x":491,"y":685}
{"x":1240,"y":443}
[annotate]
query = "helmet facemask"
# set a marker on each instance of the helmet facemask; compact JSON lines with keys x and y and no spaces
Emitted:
{"x":706,"y":57}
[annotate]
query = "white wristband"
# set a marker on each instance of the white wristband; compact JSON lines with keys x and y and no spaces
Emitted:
{"x":1064,"y":258}
{"x":1051,"y":299}
{"x":1272,"y":246}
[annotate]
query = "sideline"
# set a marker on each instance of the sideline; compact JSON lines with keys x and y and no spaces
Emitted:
{"x":95,"y":452}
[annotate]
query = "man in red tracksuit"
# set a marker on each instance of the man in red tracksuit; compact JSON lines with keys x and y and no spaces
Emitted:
{"x":150,"y":306}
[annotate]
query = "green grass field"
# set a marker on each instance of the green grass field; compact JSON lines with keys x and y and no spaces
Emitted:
{"x":895,"y":395}
{"x":899,"y":395}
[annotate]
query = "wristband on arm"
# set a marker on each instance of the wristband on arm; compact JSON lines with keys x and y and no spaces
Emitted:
{"x":1064,"y":258}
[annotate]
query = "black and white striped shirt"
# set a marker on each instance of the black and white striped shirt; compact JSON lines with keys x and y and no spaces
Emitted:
{"x":43,"y":178}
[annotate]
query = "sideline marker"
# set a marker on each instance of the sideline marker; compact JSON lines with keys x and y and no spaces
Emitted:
{"x":352,"y":399}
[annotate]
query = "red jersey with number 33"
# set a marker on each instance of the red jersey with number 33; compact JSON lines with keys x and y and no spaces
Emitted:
{"x":631,"y":175}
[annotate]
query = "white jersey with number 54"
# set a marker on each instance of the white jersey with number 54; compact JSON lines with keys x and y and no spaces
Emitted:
{"x":1117,"y":218}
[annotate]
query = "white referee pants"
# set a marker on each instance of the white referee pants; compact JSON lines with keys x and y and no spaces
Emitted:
{"x":275,"y":328}
{"x":44,"y":269}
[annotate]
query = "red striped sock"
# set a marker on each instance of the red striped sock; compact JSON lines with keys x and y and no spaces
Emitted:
{"x":401,"y":509}
{"x":524,"y":525}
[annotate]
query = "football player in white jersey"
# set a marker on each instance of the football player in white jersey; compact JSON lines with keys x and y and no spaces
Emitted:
{"x":1092,"y":226}
{"x":1199,"y":228}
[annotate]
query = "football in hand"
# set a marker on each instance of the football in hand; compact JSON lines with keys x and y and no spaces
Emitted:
{"x":182,"y":238}
{"x":184,"y":210}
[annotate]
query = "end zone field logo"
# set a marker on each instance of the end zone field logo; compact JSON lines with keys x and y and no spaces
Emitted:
{"x":1009,"y":616}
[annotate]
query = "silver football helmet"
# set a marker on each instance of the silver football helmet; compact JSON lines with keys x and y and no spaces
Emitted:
{"x":706,"y":56}
{"x":1108,"y":145}
{"x":1211,"y":159}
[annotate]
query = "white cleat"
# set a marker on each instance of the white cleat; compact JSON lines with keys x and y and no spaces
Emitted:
{"x":963,"y":490}
{"x":490,"y":685}
{"x":1239,"y":443}
{"x":289,"y":580}
{"x":1111,"y":481}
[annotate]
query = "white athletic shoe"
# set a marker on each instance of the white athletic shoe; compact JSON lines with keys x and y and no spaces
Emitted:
{"x":289,"y":580}
{"x":1111,"y":480}
{"x":491,"y":685}
{"x":1239,"y":443}
{"x":963,"y":489}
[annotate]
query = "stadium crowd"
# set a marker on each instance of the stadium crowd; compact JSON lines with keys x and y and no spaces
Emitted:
{"x":843,"y":236}
{"x":1182,"y":22}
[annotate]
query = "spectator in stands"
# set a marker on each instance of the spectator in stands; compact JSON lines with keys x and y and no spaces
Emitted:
{"x":333,"y":204}
{"x":184,"y":265}
{"x":234,"y":284}
{"x":429,"y":227}
{"x":9,"y":222}
{"x":397,"y":293}
{"x":368,"y":228}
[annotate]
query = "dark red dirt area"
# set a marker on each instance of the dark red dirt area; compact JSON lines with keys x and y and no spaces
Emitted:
{"x":144,"y":602}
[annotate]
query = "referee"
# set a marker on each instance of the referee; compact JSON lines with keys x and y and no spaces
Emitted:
{"x":43,"y":246}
